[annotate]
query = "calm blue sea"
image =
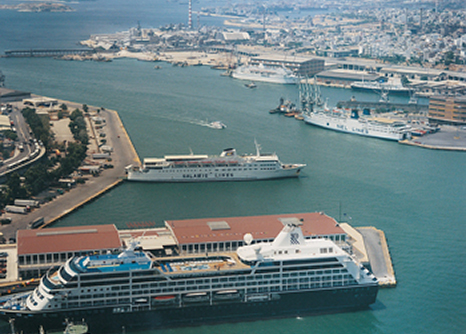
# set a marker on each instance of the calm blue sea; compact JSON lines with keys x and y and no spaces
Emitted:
{"x":416,"y":196}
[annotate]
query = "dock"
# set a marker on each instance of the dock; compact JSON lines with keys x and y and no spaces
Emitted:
{"x":379,"y":255}
{"x":370,"y":247}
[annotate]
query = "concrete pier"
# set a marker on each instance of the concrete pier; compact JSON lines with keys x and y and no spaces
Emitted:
{"x":379,"y":255}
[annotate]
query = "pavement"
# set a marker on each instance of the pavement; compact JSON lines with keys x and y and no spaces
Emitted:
{"x":451,"y":138}
{"x":379,"y":256}
{"x":123,"y":155}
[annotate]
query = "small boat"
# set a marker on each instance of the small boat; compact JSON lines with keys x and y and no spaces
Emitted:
{"x":157,"y":67}
{"x":216,"y":125}
{"x":164,"y":299}
{"x":227,"y":294}
{"x":196,"y":297}
{"x":251,"y":85}
{"x":79,"y":327}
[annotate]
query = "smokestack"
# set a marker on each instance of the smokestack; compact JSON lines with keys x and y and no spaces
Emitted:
{"x":190,"y":21}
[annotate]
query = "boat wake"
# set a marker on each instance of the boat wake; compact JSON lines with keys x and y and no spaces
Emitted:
{"x":213,"y":125}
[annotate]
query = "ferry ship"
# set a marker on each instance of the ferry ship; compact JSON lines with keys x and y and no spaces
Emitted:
{"x":279,"y":75}
{"x":228,"y":166}
{"x":352,"y":123}
{"x":389,"y":87}
{"x":288,"y":276}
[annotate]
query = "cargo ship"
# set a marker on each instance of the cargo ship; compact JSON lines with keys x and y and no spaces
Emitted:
{"x":131,"y":288}
{"x":228,"y":166}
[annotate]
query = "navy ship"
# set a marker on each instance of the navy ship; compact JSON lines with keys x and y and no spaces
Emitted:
{"x":289,"y":276}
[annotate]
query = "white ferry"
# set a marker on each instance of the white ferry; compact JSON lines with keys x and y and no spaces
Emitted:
{"x":390,"y":87}
{"x":228,"y":166}
{"x":279,"y":75}
{"x":289,"y":276}
{"x":341,"y":121}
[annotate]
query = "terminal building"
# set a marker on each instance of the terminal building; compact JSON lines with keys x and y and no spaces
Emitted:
{"x":40,"y":249}
{"x":300,"y":65}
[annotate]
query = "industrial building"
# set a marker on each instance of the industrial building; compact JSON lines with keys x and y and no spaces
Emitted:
{"x":447,"y":110}
{"x":10,"y":95}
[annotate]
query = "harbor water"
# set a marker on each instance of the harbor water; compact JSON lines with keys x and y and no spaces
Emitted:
{"x":416,"y":196}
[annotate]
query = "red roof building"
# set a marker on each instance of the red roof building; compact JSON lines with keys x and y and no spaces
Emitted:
{"x":220,"y":234}
{"x":38,"y":249}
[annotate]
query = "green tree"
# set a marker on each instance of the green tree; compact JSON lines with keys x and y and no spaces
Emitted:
{"x":85,"y":108}
{"x":449,"y":57}
{"x":10,"y":135}
{"x":63,"y":107}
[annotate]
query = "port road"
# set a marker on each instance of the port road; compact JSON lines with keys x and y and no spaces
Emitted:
{"x":123,"y":155}
{"x":24,"y":144}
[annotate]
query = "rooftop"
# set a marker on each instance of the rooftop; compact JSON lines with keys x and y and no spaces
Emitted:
{"x":68,"y":239}
{"x":202,"y":230}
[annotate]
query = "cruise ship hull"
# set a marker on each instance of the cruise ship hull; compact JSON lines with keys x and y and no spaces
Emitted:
{"x":182,"y":313}
{"x":354,"y":126}
{"x":210,"y":175}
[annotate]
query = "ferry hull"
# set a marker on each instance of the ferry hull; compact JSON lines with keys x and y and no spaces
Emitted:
{"x":103,"y":320}
{"x":392,"y":91}
{"x":210,"y":176}
{"x":352,"y":127}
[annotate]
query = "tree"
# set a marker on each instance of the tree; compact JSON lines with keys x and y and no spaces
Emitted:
{"x":63,"y":107}
{"x":10,"y":135}
{"x":449,"y":57}
{"x":85,"y":108}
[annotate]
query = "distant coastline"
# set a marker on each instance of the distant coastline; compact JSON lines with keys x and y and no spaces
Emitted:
{"x":38,"y":7}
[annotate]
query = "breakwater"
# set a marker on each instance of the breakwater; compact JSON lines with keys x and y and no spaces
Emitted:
{"x":46,"y":53}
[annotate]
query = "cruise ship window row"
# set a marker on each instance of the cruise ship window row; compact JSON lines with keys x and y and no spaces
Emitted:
{"x":206,"y":285}
{"x":291,"y":284}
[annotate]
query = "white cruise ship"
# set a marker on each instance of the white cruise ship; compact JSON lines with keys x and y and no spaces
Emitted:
{"x":279,"y":75}
{"x":341,"y":121}
{"x":132,"y":288}
{"x":228,"y":166}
